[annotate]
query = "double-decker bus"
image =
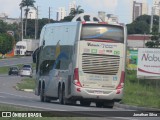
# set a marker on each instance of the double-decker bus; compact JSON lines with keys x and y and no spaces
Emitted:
{"x":81,"y":61}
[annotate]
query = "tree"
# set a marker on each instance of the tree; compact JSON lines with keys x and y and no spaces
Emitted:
{"x":15,"y":28}
{"x":3,"y":27}
{"x":67,"y":19}
{"x":155,"y":39}
{"x":27,"y":4}
{"x":6,"y":43}
{"x":74,"y":12}
{"x":140,"y":26}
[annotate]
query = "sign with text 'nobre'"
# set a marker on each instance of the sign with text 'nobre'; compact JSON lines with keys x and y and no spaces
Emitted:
{"x":148,"y":62}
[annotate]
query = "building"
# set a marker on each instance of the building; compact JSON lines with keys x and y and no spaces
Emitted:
{"x":61,"y":13}
{"x":156,"y":8}
{"x":4,"y":18}
{"x":112,"y":18}
{"x":107,"y":18}
{"x":71,"y":5}
{"x":137,"y":40}
{"x":102,"y":15}
{"x":139,"y":8}
{"x":32,"y":14}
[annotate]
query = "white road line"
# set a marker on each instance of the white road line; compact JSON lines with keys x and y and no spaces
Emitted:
{"x":36,"y":107}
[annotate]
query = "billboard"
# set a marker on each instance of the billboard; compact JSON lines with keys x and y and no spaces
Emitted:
{"x":148,"y":62}
{"x":132,"y":59}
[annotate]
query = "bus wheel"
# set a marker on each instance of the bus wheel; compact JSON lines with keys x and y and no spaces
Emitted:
{"x":60,"y":96}
{"x":65,"y":101}
{"x":108,"y":104}
{"x":99,"y":104}
{"x":47,"y":99}
{"x":42,"y":95}
{"x":85,"y":103}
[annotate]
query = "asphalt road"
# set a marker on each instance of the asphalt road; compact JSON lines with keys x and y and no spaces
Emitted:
{"x":9,"y":95}
{"x":15,"y":61}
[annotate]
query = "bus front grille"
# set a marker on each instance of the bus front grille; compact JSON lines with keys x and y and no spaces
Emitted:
{"x":100,"y":64}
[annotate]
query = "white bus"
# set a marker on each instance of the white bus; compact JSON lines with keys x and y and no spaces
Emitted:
{"x":80,"y":61}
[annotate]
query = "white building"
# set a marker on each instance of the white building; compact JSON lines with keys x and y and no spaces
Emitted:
{"x":137,"y":40}
{"x":112,"y":18}
{"x":145,"y":8}
{"x":32,"y":14}
{"x":102,"y":15}
{"x":4,"y":17}
{"x":61,"y":13}
{"x":71,"y":5}
{"x":139,"y":8}
{"x":156,"y":9}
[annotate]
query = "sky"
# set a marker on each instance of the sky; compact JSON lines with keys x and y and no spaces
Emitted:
{"x":121,"y":8}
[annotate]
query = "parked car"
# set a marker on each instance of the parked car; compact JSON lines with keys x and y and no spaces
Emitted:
{"x":27,"y":66}
{"x":14,"y":70}
{"x":25,"y":71}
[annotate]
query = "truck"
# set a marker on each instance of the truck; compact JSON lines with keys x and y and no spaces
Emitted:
{"x":26,"y":47}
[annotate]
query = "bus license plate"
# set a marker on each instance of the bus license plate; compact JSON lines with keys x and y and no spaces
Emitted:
{"x":98,"y":92}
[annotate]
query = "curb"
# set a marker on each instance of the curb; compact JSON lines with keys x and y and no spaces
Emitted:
{"x":28,"y":90}
{"x":136,"y":107}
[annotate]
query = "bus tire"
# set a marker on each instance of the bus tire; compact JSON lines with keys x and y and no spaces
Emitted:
{"x":99,"y":104}
{"x":42,"y":95}
{"x":46,"y":99}
{"x":85,"y":103}
{"x":65,"y":101}
{"x":60,"y":96}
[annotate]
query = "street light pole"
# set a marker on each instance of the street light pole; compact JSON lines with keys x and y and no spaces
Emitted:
{"x":36,"y":22}
{"x":49,"y":14}
{"x":21,"y":24}
{"x":151,"y":20}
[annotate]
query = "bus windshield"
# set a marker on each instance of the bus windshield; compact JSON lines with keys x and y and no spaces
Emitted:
{"x":102,"y":32}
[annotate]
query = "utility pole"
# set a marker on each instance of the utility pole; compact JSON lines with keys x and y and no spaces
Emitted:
{"x":49,"y":15}
{"x":21,"y":24}
{"x":36,"y":23}
{"x":151,"y":26}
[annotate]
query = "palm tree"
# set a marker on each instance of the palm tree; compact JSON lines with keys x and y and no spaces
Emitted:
{"x":27,"y":4}
{"x":76,"y":11}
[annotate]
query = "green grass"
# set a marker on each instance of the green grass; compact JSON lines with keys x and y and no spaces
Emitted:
{"x":143,"y":93}
{"x":4,"y":107}
{"x":26,"y":83}
{"x":4,"y":70}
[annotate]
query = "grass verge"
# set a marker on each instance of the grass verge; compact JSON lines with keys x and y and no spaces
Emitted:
{"x":143,"y":93}
{"x":26,"y":83}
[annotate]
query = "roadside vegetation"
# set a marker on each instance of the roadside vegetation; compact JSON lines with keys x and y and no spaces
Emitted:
{"x":141,"y":92}
{"x":26,"y":83}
